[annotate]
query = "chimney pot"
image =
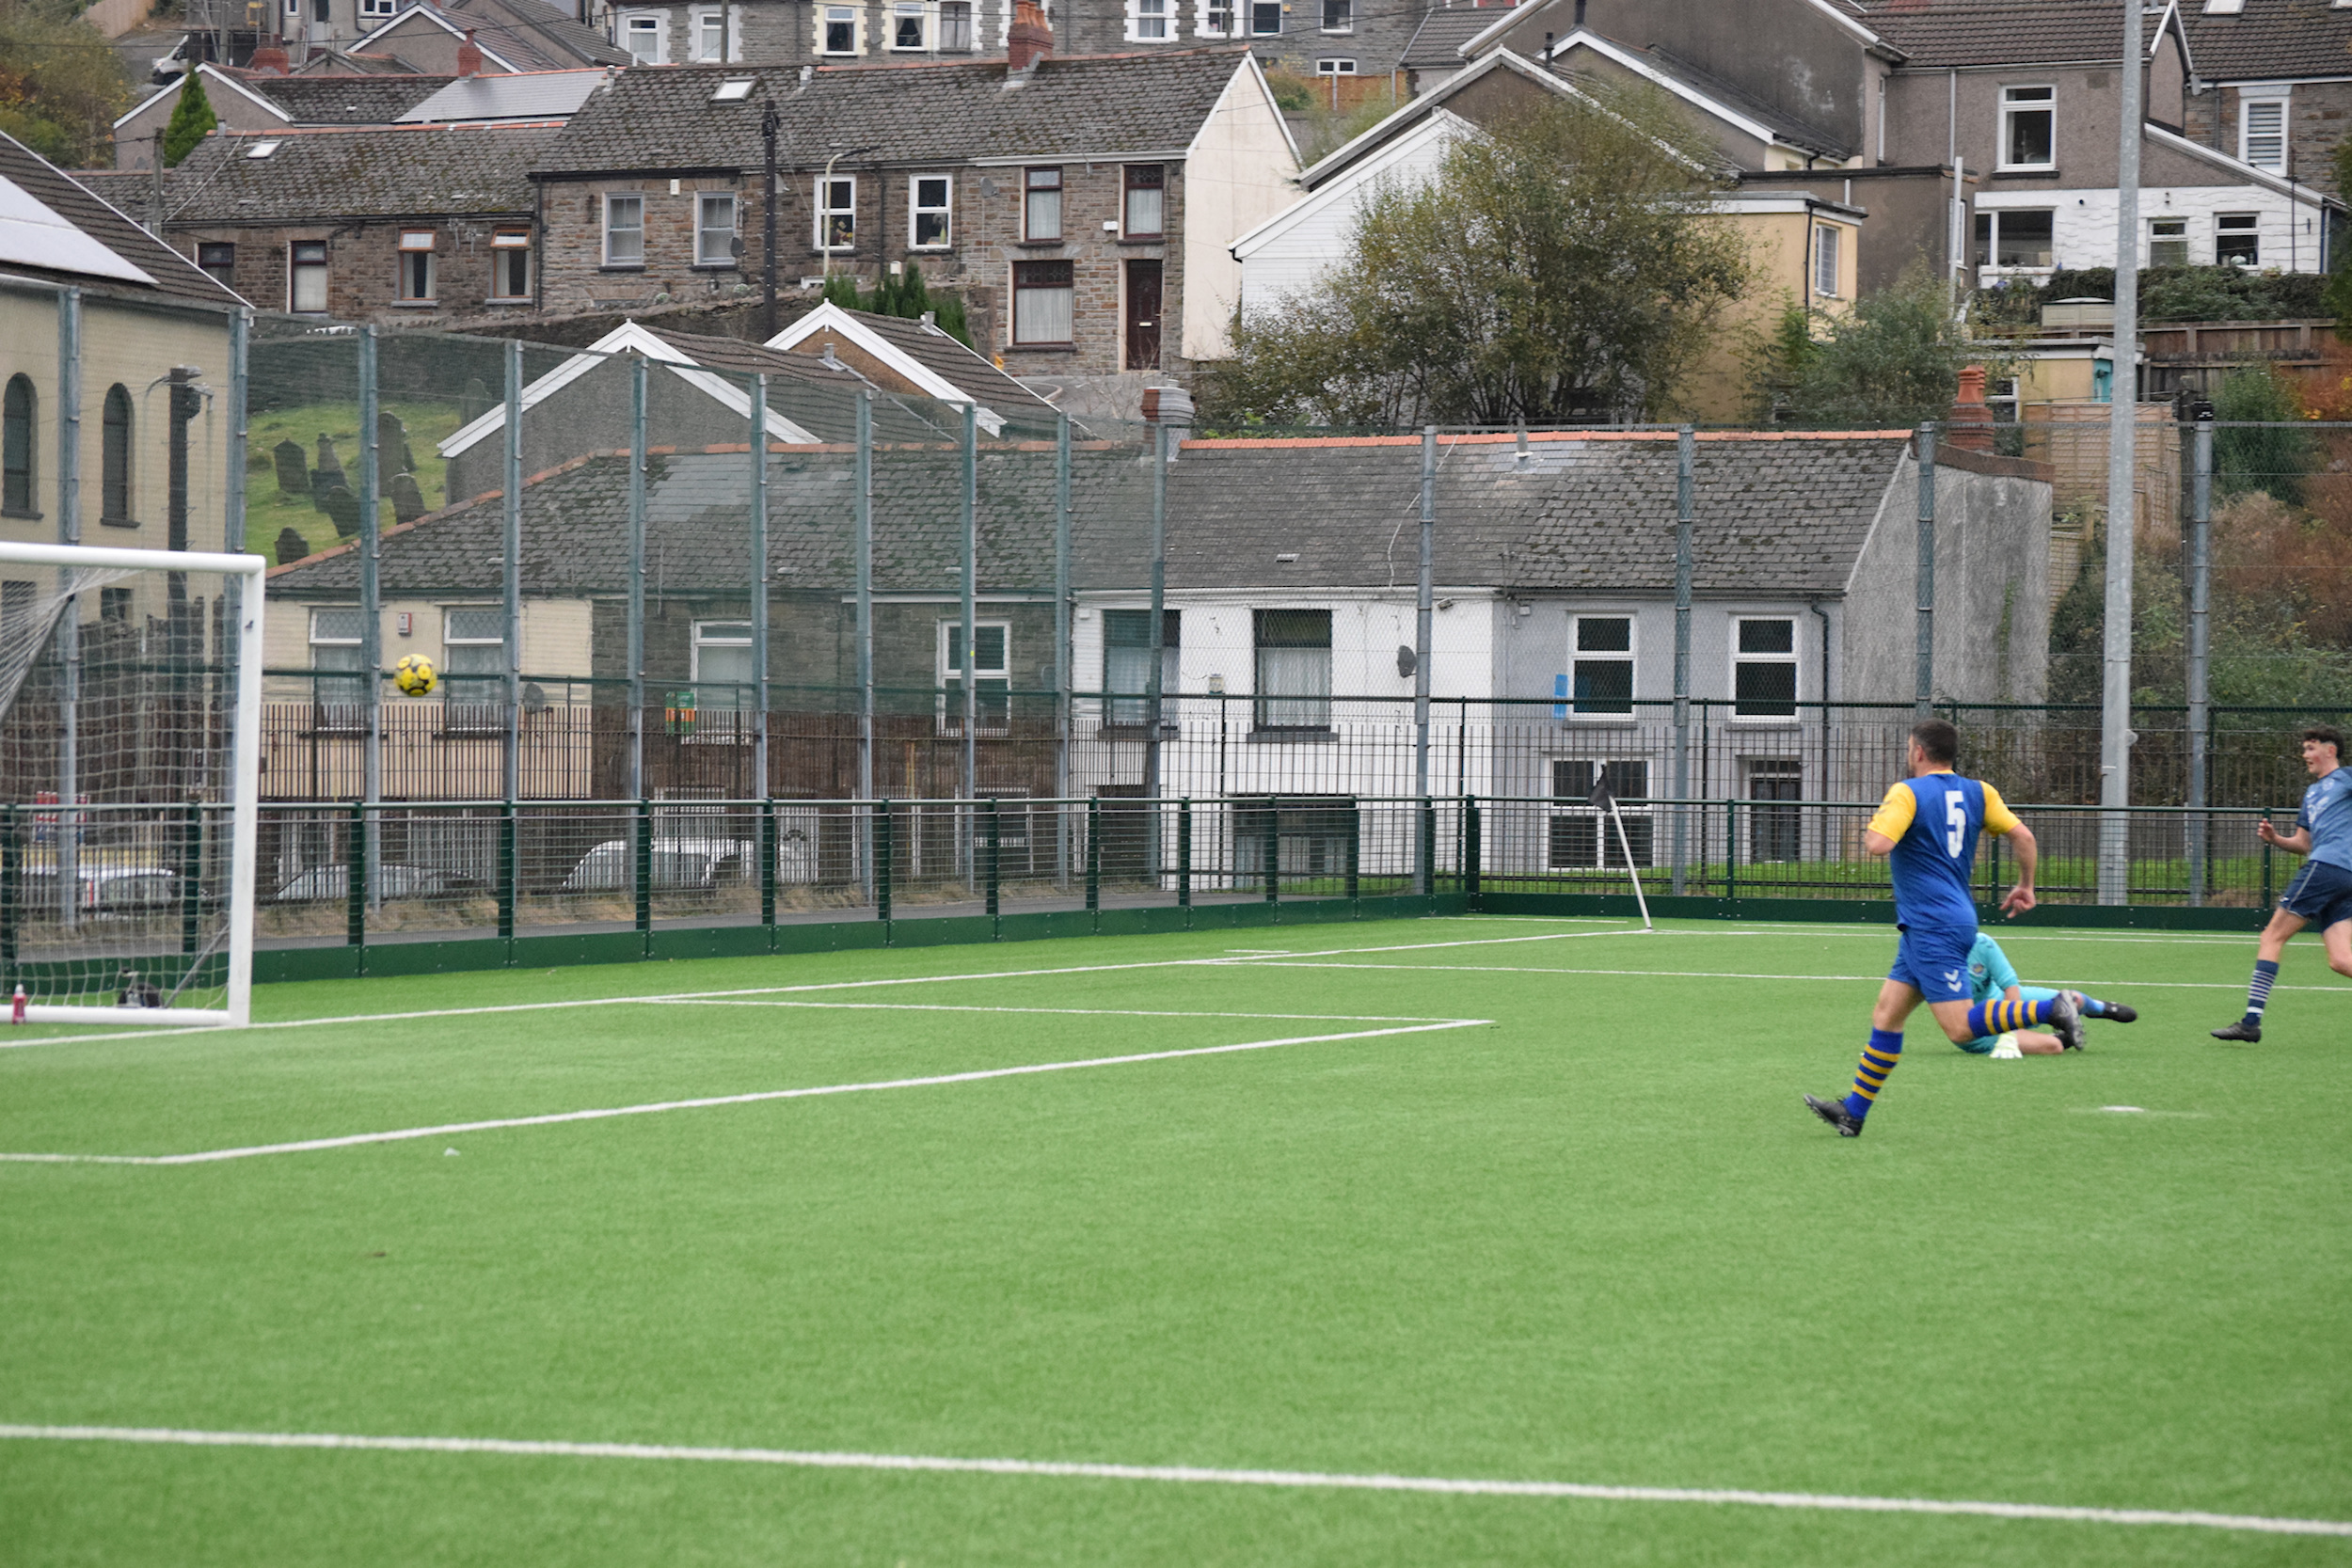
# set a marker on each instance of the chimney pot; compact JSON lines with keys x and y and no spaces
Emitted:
{"x":469,"y":56}
{"x":1970,"y":426}
{"x":270,"y":60}
{"x":1031,"y":39}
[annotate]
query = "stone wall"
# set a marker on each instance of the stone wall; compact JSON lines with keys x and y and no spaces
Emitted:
{"x":2318,"y":115}
{"x":363,"y":265}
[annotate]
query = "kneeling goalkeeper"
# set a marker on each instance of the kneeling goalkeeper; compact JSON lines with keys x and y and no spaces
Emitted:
{"x":1990,"y":976}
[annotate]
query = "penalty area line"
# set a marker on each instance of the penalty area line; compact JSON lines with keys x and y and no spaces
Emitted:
{"x":444,"y":1130}
{"x":1179,"y":1474}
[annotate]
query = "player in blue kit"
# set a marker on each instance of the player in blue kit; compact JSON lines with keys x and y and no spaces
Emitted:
{"x":1927,"y":827}
{"x":1992,"y":977}
{"x":2321,"y":894}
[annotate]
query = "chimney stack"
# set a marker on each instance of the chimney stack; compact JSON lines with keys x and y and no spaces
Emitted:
{"x":1031,"y":40}
{"x":1970,"y":426}
{"x":470,"y":56}
{"x":270,"y":60}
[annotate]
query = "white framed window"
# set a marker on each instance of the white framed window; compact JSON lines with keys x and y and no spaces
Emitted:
{"x":1149,"y":21}
{"x":955,"y":26}
{"x":1764,"y":668}
{"x":1214,"y":19}
{"x":1599,"y":683}
{"x":722,"y":669}
{"x":623,"y":229}
{"x":2238,"y":237}
{"x":2029,"y":127}
{"x":1127,"y":662}
{"x":1265,"y":18}
{"x":1338,"y":16}
{"x":1293,"y":668}
{"x":1041,"y":204}
{"x":836,"y":213}
{"x":379,"y":7}
{"x":2011,"y":237}
{"x":837,"y":28}
{"x":714,"y":230}
{"x":1582,"y":836}
{"x":930,"y":215}
{"x":705,"y":41}
{"x":473,"y":657}
{"x":218,"y":258}
{"x":2168,"y":242}
{"x":335,"y":645}
{"x":1825,"y":247}
{"x":1328,"y":67}
{"x":909,"y":26}
{"x":1043,"y":294}
{"x":1143,"y":208}
{"x":646,"y":36}
{"x":306,"y":276}
{"x":510,"y":263}
{"x":2261,"y":131}
{"x":992,"y":675}
{"x":416,"y":266}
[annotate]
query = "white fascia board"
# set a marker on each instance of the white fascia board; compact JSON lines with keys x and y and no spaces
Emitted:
{"x":1396,"y":124}
{"x":207,"y":69}
{"x":1148,"y":156}
{"x":433,"y":13}
{"x":931,"y":382}
{"x":1441,"y":124}
{"x":1493,"y":29}
{"x":1688,"y":94}
{"x":2243,"y":173}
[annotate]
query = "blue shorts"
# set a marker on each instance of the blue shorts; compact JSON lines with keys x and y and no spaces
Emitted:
{"x":1934,"y":962}
{"x":2321,"y":894}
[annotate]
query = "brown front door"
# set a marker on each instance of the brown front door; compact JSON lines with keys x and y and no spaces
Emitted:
{"x":1143,"y":315}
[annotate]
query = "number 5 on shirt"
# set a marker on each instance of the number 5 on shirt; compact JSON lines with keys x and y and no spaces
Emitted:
{"x":1955,"y":823}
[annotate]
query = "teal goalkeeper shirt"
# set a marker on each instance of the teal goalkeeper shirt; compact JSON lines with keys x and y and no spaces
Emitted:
{"x":1990,"y":973}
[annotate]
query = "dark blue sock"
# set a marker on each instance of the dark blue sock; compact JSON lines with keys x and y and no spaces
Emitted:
{"x":2258,"y":994}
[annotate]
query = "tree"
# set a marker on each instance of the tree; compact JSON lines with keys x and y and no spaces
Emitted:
{"x":1561,"y":265}
{"x":61,"y":84}
{"x":192,"y":120}
{"x":1894,"y":359}
{"x":2276,"y":459}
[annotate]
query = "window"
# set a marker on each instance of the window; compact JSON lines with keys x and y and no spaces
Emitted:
{"x":1583,"y":837}
{"x":646,"y":36}
{"x":1265,"y":18}
{"x":113,"y":604}
{"x":2168,"y":242}
{"x":1040,"y":214}
{"x":1217,"y":19}
{"x":1764,"y":670}
{"x":17,"y":433}
{"x":378,"y":8}
{"x":219,"y":258}
{"x":416,"y":266}
{"x":1600,"y":682}
{"x":2028,"y":133}
{"x":1775,"y":833}
{"x":1041,"y":295}
{"x":1148,"y":20}
{"x":1338,"y":16}
{"x":1335,"y":68}
{"x":714,"y":230}
{"x":2007,"y":237}
{"x":710,"y":45}
{"x":113,"y":485}
{"x":722,"y":658}
{"x":306,"y":276}
{"x":624,"y":230}
{"x":261,"y":149}
{"x":1825,"y":239}
{"x":837,"y":213}
{"x":473,"y":661}
{"x":928,"y":202}
{"x":2262,"y":132}
{"x":2238,"y":237}
{"x":840,"y":29}
{"x":992,"y":675}
{"x":1127,"y":662}
{"x":1293,"y":669}
{"x":906,"y":26}
{"x":510,"y":264}
{"x":335,"y":646}
{"x":1146,"y":200}
{"x":955,"y":26}
{"x":735,"y":91}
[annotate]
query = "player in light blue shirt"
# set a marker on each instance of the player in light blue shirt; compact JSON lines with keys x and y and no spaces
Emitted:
{"x":1991,"y":975}
{"x":2321,"y":894}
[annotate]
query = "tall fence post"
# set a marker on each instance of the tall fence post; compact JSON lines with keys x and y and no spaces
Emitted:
{"x":2115,"y":704}
{"x":1063,"y":656}
{"x":1686,"y":465}
{"x":233,"y":588}
{"x":69,"y":633}
{"x":1154,"y":679}
{"x":864,"y":525}
{"x":636,"y":576}
{"x":510,"y":575}
{"x":1424,"y":618}
{"x":372,"y":589}
{"x":760,"y":788}
{"x":2200,"y":649}
{"x":1923,"y":673}
{"x":969,"y":777}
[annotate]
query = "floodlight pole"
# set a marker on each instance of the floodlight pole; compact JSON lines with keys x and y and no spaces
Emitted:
{"x":1686,"y":463}
{"x":864,"y":545}
{"x":511,"y":572}
{"x":1423,"y":608}
{"x":971,"y":585}
{"x":69,"y":830}
{"x":636,"y":577}
{"x":371,"y":606}
{"x":1923,"y":668}
{"x":2200,"y":644}
{"x":1154,"y":678}
{"x":1062,"y":645}
{"x":759,"y":586}
{"x":2115,"y":708}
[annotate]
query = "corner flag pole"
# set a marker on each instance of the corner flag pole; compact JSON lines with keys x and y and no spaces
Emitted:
{"x":1601,"y":799}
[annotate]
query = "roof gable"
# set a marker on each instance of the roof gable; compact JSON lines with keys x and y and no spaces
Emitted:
{"x":161,"y":270}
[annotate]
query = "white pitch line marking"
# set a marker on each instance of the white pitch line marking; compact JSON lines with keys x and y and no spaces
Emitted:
{"x":449,"y":1129}
{"x":1180,"y":1474}
{"x":1728,"y":974}
{"x":1072,"y":1013}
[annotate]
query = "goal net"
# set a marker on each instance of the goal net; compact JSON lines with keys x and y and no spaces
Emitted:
{"x":130,"y":707}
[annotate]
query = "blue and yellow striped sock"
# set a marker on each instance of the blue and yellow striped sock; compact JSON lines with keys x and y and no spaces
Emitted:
{"x":1878,"y":1059}
{"x":2000,"y":1015}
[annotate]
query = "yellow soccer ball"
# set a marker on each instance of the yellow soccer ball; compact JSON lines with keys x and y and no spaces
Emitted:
{"x":414,"y":676}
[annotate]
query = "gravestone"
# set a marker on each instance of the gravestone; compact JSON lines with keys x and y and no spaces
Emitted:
{"x":392,"y":444}
{"x":407,"y":501}
{"x":473,"y":402}
{"x":294,"y":474}
{"x":344,"y":507}
{"x":292,"y":546}
{"x":329,"y":473}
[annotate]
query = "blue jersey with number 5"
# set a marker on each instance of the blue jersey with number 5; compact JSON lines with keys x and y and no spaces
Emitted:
{"x":1934,"y":820}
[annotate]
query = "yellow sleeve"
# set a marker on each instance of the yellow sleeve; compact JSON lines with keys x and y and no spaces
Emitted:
{"x":1896,"y":812}
{"x":1998,"y":818}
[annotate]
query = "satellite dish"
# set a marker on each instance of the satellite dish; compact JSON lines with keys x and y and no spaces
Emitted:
{"x":1407,"y":660}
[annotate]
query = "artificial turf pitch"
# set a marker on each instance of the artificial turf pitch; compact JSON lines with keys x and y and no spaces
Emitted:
{"x":1593,"y":1238}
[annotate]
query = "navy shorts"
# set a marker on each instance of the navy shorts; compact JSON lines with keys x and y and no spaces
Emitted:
{"x":1934,"y":962}
{"x":2321,"y":894}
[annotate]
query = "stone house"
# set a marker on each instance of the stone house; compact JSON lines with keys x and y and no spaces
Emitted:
{"x":1083,"y":207}
{"x":2270,"y":83}
{"x":506,"y":35}
{"x":249,"y":100}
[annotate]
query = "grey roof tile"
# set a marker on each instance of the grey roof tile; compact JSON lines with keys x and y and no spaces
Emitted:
{"x":1938,"y":34}
{"x":354,"y":100}
{"x":1437,"y":40}
{"x":2270,"y":40}
{"x":404,"y":171}
{"x":83,"y":207}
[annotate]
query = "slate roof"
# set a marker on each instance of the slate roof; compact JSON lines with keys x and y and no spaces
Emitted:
{"x":1775,"y":516}
{"x":2271,"y":40}
{"x":403,"y":171}
{"x":818,"y":397}
{"x":1437,"y":40}
{"x":944,"y":356}
{"x":533,"y":35}
{"x":520,"y":95}
{"x":1945,"y":32}
{"x":175,"y":275}
{"x":342,"y":100}
{"x":661,"y":117}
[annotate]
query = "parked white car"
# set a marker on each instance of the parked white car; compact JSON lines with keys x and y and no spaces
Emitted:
{"x":106,"y":892}
{"x":333,"y":883}
{"x":680,"y":865}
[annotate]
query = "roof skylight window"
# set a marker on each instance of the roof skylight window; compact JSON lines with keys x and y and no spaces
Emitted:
{"x":261,"y":150}
{"x":733,"y":92}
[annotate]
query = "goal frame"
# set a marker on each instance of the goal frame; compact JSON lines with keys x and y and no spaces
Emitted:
{"x":245,"y":778}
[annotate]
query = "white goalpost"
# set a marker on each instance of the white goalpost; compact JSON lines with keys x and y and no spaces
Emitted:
{"x":130,"y":776}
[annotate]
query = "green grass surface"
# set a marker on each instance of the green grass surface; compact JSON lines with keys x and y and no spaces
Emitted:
{"x":1596,"y":1239}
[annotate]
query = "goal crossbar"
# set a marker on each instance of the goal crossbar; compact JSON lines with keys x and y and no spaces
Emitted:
{"x":247,"y":775}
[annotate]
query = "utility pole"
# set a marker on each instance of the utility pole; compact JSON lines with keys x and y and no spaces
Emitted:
{"x":770,"y":124}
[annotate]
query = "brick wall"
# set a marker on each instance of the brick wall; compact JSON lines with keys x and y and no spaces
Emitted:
{"x":362,"y":264}
{"x":2318,"y":115}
